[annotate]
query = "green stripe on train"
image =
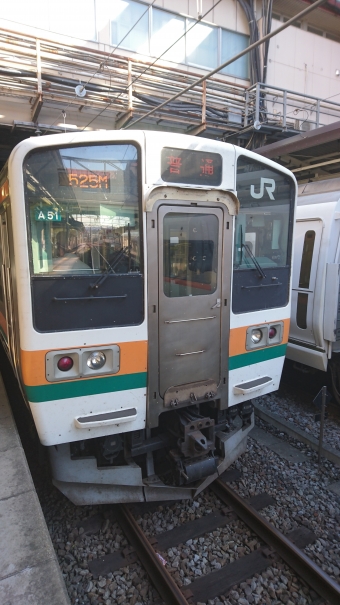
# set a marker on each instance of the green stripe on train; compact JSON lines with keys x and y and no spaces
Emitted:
{"x":246,"y":359}
{"x":81,"y":388}
{"x":125,"y":382}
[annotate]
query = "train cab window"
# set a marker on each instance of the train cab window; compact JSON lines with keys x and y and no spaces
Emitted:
{"x":306,"y":260}
{"x":190,"y":254}
{"x":263,"y":234}
{"x":83,"y":208}
{"x":84,"y":216}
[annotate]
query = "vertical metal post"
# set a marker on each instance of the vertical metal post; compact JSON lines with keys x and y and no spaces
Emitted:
{"x":204,"y":102}
{"x":246,"y":110}
{"x":129,"y":85}
{"x":322,"y":421}
{"x":257,"y":102}
{"x":284,"y":109}
{"x":39,"y":86}
{"x":317,"y":113}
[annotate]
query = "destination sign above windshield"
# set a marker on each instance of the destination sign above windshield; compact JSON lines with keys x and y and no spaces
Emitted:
{"x":191,"y":167}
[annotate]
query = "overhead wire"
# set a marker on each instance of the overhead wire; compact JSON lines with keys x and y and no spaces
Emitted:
{"x":304,"y":12}
{"x":107,"y":58}
{"x":201,"y":17}
{"x":169,"y":48}
{"x":122,"y":40}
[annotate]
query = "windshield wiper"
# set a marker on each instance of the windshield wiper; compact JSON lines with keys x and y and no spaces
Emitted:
{"x":253,"y":258}
{"x":111,"y":269}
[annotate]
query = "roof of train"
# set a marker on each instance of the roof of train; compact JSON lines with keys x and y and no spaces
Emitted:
{"x":319,"y":193}
{"x":326,"y":186}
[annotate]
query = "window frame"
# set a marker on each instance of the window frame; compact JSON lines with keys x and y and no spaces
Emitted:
{"x":187,"y":19}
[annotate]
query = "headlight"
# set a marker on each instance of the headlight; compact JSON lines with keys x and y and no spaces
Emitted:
{"x":256,"y":336}
{"x":96,"y":360}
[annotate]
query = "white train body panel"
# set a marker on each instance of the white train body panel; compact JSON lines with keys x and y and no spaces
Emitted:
{"x":315,"y":334}
{"x":145,"y":295}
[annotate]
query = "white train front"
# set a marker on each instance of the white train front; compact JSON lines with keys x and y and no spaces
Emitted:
{"x":144,"y":300}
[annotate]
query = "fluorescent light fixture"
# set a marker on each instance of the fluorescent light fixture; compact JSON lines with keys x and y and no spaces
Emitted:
{"x":67,"y":125}
{"x":1,"y":116}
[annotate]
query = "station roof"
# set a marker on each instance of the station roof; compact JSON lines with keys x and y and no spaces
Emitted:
{"x":312,"y":156}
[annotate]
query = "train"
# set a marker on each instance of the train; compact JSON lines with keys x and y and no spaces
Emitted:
{"x":314,"y":338}
{"x":144,"y":300}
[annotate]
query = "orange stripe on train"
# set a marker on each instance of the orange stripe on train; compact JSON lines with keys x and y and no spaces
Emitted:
{"x":133,"y":360}
{"x":4,"y":191}
{"x":237,"y":340}
{"x":3,"y":324}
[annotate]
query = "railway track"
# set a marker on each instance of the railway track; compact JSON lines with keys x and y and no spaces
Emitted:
{"x":151,"y":551}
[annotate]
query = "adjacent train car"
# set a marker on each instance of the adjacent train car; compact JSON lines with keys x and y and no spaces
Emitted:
{"x":145,"y":298}
{"x":314,"y":338}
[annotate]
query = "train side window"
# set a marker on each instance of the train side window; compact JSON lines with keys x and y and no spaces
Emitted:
{"x":306,"y":260}
{"x":301,"y":311}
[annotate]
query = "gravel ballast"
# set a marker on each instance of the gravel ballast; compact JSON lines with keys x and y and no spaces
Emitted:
{"x":81,"y":534}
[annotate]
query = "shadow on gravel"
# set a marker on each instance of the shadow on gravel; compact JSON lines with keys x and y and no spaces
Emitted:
{"x":305,"y":385}
{"x":34,"y":451}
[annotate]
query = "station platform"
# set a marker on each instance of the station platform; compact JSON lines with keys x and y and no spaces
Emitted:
{"x":29,"y":570}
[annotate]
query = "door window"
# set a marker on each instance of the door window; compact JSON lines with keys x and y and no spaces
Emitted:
{"x":306,"y":261}
{"x":190,"y":245}
{"x":301,"y":311}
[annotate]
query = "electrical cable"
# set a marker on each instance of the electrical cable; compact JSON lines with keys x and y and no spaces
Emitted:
{"x":304,"y":12}
{"x":107,"y":58}
{"x":169,"y":48}
{"x":119,"y":43}
{"x":155,"y":61}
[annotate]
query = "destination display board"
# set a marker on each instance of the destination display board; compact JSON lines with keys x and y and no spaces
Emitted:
{"x":191,"y":167}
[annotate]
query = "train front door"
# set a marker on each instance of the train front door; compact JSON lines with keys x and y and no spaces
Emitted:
{"x":190,"y":294}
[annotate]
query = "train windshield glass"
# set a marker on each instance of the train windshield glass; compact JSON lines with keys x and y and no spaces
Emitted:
{"x":262,"y":225}
{"x":84,"y":210}
{"x":263,"y":237}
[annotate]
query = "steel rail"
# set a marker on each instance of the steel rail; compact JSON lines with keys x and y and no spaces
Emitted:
{"x":160,"y":577}
{"x":313,"y":575}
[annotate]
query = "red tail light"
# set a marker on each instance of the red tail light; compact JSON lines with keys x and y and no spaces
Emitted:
{"x":65,"y":364}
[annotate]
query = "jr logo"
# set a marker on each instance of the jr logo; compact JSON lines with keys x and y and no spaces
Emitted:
{"x":270,"y":187}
